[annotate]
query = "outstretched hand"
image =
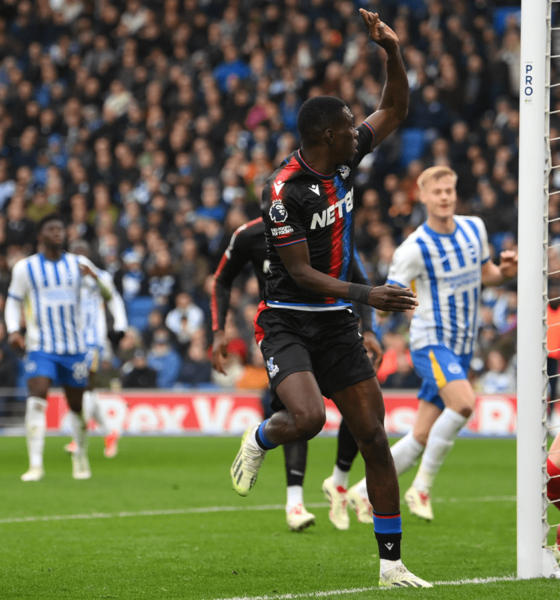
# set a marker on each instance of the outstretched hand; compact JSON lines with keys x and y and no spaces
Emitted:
{"x":379,"y":32}
{"x":219,"y":351}
{"x":508,"y":263}
{"x":392,"y":298}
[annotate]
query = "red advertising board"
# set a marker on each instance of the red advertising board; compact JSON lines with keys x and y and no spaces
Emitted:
{"x":211,"y":413}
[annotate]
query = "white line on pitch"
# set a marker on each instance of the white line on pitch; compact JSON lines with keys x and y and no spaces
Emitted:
{"x":330,"y":593}
{"x":216,"y":509}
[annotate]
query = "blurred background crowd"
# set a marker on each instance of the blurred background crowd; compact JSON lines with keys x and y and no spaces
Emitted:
{"x":153,"y":125}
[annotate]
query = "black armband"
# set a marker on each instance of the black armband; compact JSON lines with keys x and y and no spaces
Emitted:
{"x":359,"y":292}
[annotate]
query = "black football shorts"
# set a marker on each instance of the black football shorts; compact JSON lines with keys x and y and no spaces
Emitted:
{"x":326,"y":343}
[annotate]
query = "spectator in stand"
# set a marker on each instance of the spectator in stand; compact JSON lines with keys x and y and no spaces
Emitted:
{"x":165,"y":361}
{"x":498,"y":378}
{"x":152,"y":100}
{"x":404,"y":376}
{"x":140,"y":374}
{"x":196,"y":368}
{"x":130,"y":280}
{"x":162,"y":281}
{"x":184,"y":320}
{"x":20,"y":231}
{"x":254,"y":375}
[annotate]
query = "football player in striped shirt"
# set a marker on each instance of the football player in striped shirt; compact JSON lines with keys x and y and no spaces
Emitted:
{"x":94,"y":298}
{"x":47,"y":285}
{"x":445,"y":261}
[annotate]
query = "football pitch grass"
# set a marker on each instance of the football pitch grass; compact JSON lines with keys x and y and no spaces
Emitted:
{"x":161,"y":521}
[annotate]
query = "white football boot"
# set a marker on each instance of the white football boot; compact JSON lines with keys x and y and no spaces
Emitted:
{"x":247,"y":463}
{"x":401,"y":577}
{"x":361,"y":505}
{"x":80,"y":466}
{"x":336,"y":495}
{"x":419,"y":503}
{"x":34,"y":474}
{"x":299,"y":518}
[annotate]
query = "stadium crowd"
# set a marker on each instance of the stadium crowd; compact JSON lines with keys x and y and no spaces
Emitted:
{"x":152,"y":127}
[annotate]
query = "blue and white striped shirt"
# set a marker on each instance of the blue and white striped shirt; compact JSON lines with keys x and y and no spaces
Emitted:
{"x":50,"y":292}
{"x":93,"y":309}
{"x":445,"y":272}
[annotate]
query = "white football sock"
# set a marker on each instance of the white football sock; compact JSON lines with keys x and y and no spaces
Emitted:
{"x":79,"y":431}
{"x":340,"y":477}
{"x":361,"y":488}
{"x":295,"y":496}
{"x":35,"y":427}
{"x":87,"y":406}
{"x":97,"y":413}
{"x":405,"y":452}
{"x":440,"y":441}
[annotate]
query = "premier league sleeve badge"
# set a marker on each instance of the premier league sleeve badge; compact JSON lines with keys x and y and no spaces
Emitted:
{"x":278,"y":213}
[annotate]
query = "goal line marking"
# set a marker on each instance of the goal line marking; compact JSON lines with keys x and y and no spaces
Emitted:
{"x":213,"y":509}
{"x":330,"y":593}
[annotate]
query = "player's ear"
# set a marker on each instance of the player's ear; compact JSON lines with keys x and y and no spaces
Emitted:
{"x":329,"y":137}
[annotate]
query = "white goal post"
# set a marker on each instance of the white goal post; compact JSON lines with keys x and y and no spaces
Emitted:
{"x":534,"y":559}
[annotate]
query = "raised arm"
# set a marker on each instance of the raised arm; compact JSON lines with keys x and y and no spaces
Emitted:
{"x":393,"y":108}
{"x":297,"y":261}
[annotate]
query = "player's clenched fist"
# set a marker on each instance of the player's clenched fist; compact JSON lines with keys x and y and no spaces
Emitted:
{"x":392,"y":298}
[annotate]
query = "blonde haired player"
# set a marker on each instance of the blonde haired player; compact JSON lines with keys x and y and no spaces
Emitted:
{"x":445,"y":261}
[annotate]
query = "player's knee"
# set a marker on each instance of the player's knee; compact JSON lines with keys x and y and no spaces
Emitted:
{"x":465,"y":410}
{"x":309,"y":424}
{"x":421,"y":437}
{"x":373,"y":439}
{"x":38,"y":389}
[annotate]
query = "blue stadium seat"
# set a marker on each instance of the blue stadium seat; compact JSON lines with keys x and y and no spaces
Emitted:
{"x":138,"y":310}
{"x":413,"y":143}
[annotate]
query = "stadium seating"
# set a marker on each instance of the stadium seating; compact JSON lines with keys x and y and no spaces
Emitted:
{"x":138,"y":310}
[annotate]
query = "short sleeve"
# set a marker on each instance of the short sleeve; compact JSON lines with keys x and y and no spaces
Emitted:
{"x":405,"y":266}
{"x":284,"y":216}
{"x":484,"y":249}
{"x":366,"y":136}
{"x":20,"y":284}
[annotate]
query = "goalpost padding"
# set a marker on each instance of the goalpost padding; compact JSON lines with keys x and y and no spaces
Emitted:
{"x":533,"y":558}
